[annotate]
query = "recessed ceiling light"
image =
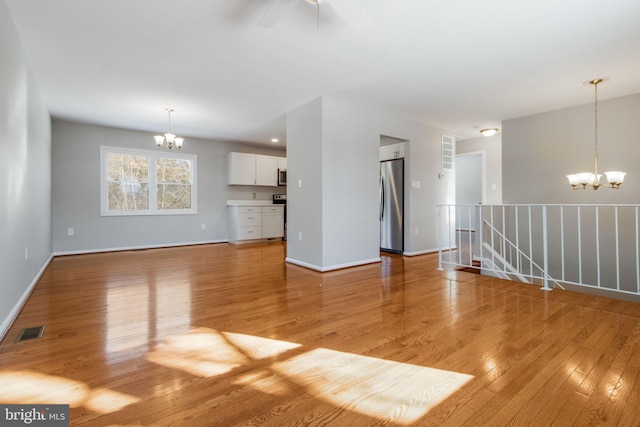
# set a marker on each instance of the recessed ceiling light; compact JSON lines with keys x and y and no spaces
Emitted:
{"x":274,"y":139}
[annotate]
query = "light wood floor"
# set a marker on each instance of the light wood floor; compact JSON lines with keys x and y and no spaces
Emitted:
{"x":223,"y":335}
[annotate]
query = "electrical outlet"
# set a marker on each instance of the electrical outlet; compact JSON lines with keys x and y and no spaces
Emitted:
{"x":203,"y":226}
{"x":299,"y":183}
{"x":417,"y":231}
{"x":299,"y":236}
{"x":70,"y":231}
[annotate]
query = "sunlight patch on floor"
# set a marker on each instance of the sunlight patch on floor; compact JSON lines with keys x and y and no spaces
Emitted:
{"x":206,"y":352}
{"x":383,"y":389}
{"x":265,"y":381}
{"x":379,"y":388}
{"x":28,"y":387}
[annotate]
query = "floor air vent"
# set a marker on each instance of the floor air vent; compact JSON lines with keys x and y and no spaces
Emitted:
{"x":30,"y":333}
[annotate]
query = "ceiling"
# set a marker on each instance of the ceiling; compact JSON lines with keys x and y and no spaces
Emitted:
{"x":460,"y":65}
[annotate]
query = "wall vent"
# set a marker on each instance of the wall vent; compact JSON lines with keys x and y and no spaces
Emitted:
{"x":448,"y":152}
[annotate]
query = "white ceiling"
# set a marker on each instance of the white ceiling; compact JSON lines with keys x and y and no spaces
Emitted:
{"x":460,"y":65}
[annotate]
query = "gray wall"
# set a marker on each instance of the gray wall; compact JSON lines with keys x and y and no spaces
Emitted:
{"x":422,"y":164}
{"x":76,"y":192}
{"x":333,"y":147}
{"x":25,"y":192}
{"x":304,"y":204}
{"x":539,"y":151}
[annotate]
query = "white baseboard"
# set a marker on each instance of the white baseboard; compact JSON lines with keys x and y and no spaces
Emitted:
{"x":428,"y":251}
{"x":136,"y":248}
{"x":331,"y":267}
{"x":8,"y":321}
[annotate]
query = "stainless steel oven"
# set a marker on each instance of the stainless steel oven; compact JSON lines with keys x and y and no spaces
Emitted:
{"x":281,"y":199}
{"x":282,"y":177}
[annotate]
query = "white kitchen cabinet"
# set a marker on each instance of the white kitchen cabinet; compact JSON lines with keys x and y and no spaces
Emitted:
{"x":393,"y":151}
{"x":282,"y":163}
{"x":241,"y":169}
{"x":272,"y":222}
{"x":246,"y":222}
{"x":252,"y":169}
{"x":266,"y":170}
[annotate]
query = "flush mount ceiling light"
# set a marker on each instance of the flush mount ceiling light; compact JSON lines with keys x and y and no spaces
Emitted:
{"x":170,"y":137}
{"x":489,"y":132}
{"x":274,"y":140}
{"x":582,"y":180}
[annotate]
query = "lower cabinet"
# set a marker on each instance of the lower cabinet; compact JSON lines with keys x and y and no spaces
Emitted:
{"x":272,"y":222}
{"x":255,"y":222}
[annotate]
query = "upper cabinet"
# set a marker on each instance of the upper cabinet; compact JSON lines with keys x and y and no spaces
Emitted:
{"x":241,"y":169}
{"x":266,"y":170}
{"x":282,"y":163}
{"x":393,"y":151}
{"x":252,"y":169}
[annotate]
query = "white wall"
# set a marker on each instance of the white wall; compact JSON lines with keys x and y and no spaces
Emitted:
{"x":25,"y":164}
{"x":76,"y":192}
{"x":333,"y":146}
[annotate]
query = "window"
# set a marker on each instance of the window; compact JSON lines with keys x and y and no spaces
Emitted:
{"x":140,"y":182}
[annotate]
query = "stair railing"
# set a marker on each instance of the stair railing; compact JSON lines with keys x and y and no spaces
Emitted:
{"x":506,"y":259}
{"x":595,"y":246}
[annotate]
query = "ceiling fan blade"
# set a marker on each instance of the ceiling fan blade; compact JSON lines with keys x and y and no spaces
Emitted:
{"x":275,"y":12}
{"x":352,"y":12}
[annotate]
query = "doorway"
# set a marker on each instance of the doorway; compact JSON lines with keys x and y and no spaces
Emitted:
{"x":469,"y":187}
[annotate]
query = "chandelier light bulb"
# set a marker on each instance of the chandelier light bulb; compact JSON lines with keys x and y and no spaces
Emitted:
{"x":159,"y":140}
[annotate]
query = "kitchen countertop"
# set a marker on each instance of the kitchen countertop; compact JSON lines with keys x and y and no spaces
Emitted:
{"x":251,"y":202}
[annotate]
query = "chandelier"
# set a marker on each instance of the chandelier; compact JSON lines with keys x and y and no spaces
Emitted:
{"x":170,"y":137}
{"x":582,"y":180}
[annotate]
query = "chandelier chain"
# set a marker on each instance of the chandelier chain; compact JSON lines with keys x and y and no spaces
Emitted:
{"x":169,"y":110}
{"x":596,"y":116}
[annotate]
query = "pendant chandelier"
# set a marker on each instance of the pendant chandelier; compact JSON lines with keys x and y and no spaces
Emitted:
{"x":582,"y":180}
{"x":170,"y":137}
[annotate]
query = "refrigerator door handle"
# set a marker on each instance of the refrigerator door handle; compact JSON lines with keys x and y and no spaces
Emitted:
{"x":381,"y":196}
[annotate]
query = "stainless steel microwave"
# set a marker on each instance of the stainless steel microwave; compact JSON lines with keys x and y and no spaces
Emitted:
{"x":282,"y":177}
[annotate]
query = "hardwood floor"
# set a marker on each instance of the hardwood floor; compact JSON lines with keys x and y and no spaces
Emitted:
{"x":223,"y":335}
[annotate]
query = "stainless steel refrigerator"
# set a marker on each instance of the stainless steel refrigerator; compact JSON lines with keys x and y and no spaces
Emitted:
{"x":392,"y":205}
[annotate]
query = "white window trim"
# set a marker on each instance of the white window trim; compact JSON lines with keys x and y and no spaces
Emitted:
{"x":151,"y":156}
